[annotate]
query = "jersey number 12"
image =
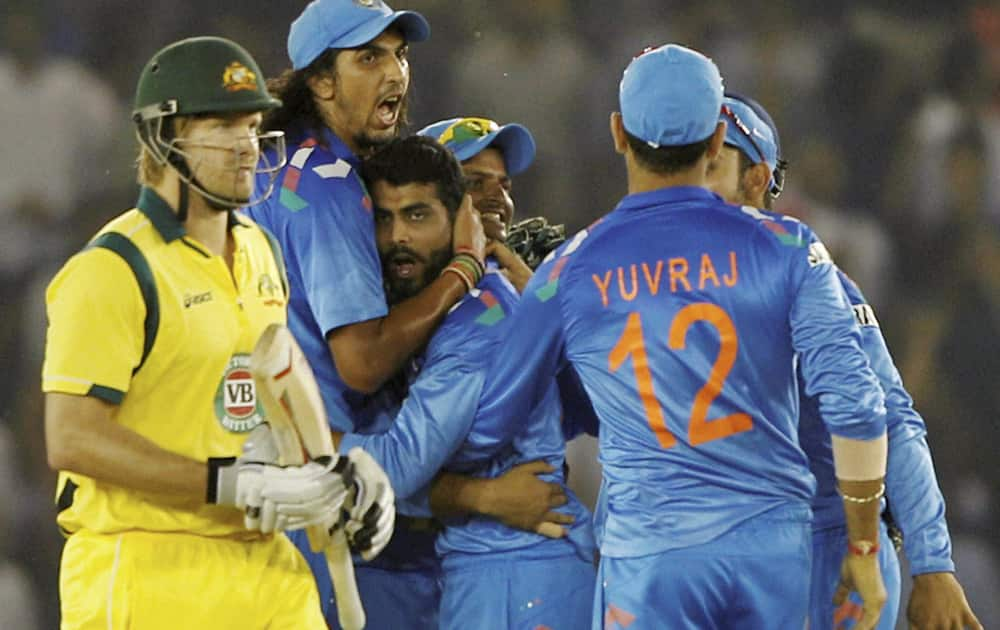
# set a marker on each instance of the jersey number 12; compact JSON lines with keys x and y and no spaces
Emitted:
{"x":701,"y":429}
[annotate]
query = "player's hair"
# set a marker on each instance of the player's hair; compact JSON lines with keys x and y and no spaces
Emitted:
{"x":667,"y":160}
{"x":417,"y":160}
{"x":150,"y":170}
{"x":298,"y":114}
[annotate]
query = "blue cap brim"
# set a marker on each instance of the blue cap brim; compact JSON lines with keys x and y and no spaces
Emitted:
{"x":308,"y":39}
{"x":514,"y":140}
{"x":412,"y":25}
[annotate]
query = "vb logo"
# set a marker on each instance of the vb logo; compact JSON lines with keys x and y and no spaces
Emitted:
{"x":236,"y":397}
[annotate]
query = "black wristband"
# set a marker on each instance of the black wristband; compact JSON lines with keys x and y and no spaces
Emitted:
{"x":212,"y":487}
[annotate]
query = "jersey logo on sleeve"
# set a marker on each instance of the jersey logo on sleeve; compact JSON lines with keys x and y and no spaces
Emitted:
{"x":774,"y":227}
{"x":493,"y":313}
{"x":782,"y":234}
{"x":288,"y":195}
{"x":865,"y":315}
{"x":545,"y":292}
{"x":818,"y":254}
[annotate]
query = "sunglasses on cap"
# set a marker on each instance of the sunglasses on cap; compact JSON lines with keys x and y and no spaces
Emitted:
{"x":778,"y":174}
{"x":465,"y":129}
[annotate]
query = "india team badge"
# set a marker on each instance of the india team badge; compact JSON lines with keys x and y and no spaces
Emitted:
{"x":236,"y":404}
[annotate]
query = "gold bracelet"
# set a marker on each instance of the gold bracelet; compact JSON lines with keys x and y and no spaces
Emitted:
{"x":875,"y":497}
{"x":475,"y":267}
{"x":461,"y":274}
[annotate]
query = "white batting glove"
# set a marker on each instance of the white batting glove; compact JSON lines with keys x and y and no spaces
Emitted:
{"x":296,"y":497}
{"x":234,"y":480}
{"x":371,"y":506}
{"x":273,"y":497}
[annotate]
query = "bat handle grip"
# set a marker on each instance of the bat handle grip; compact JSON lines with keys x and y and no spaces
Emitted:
{"x":350,"y":612}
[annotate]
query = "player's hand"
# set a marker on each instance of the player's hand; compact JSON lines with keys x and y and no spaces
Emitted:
{"x":371,"y":507}
{"x":511,"y":264}
{"x":295,"y":497}
{"x":519,"y":499}
{"x":467,"y":234}
{"x":862,"y":575}
{"x":938,"y":602}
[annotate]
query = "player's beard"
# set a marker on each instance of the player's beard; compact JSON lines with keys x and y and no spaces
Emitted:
{"x":400,"y":289}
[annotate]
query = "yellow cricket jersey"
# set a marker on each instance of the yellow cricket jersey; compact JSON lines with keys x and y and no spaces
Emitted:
{"x":193,"y":393}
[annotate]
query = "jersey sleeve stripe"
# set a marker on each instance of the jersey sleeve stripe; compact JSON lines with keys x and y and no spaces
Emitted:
{"x":107,"y":394}
{"x":125,"y":248}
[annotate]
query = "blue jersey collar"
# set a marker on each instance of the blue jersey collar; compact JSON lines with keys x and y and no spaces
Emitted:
{"x":661,"y":196}
{"x":339,"y":149}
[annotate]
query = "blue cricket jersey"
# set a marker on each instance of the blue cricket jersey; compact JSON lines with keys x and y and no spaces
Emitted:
{"x":439,"y":418}
{"x":322,"y":217}
{"x":684,"y":318}
{"x":915,"y":499}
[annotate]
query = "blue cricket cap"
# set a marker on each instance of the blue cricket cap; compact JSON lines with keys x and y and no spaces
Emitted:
{"x":671,"y":96}
{"x":761,"y":113}
{"x":748,"y":132}
{"x":327,"y":24}
{"x":466,"y":137}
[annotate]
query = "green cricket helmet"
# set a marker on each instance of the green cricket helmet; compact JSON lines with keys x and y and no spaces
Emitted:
{"x":201,"y":75}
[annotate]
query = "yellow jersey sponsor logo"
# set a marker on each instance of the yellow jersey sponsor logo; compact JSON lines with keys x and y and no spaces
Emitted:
{"x":236,"y":405}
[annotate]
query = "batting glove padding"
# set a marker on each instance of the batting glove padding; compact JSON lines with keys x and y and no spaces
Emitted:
{"x":372,"y":509}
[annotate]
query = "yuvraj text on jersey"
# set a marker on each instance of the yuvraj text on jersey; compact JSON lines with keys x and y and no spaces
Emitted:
{"x":629,"y":283}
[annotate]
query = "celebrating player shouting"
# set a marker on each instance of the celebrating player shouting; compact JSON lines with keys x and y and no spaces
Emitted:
{"x":150,"y":331}
{"x":345,"y":95}
{"x":750,"y":171}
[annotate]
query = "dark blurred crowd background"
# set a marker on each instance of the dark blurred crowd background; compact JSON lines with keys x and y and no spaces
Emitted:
{"x":889,"y":114}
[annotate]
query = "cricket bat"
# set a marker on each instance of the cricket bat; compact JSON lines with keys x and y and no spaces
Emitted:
{"x":293,"y":406}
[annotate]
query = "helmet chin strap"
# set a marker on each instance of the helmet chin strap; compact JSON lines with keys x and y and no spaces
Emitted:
{"x":186,"y":181}
{"x":182,"y":204}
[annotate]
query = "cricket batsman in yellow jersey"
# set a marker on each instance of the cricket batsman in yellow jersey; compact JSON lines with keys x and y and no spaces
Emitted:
{"x":169,"y":490}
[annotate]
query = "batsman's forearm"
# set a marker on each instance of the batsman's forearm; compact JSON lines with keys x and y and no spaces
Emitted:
{"x":82,"y":438}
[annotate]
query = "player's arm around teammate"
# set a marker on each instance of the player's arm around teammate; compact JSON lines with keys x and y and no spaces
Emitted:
{"x":414,"y":212}
{"x":345,"y":95}
{"x":168,"y":485}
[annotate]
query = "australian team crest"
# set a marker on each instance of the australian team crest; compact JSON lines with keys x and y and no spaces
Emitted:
{"x":238,"y":77}
{"x":236,"y":397}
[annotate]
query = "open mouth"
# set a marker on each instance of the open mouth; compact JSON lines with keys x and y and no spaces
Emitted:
{"x":387,"y":110}
{"x":402,"y":266}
